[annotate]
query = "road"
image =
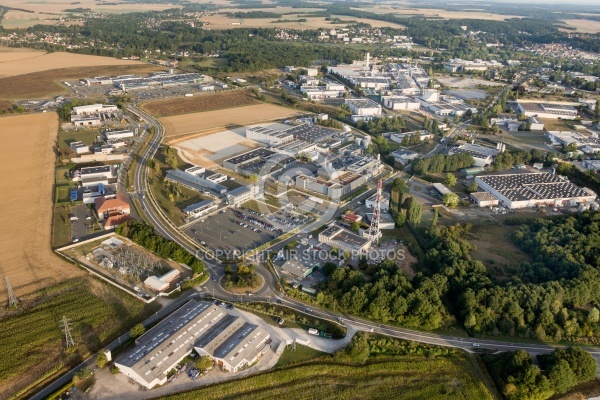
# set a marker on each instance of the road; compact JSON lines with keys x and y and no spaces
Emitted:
{"x":268,"y":289}
{"x":267,"y":292}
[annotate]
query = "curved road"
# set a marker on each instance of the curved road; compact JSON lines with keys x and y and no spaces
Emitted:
{"x":267,"y":292}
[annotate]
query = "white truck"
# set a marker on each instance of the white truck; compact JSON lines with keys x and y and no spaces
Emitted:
{"x":313,"y":331}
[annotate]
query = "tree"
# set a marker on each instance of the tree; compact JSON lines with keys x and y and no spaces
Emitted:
{"x":355,"y":226}
{"x":414,"y":212}
{"x":400,"y":218}
{"x":434,"y":221}
{"x":137,"y":331}
{"x":449,"y":180}
{"x":328,"y":268}
{"x":451,"y":200}
{"x":101,"y":359}
{"x":473,"y":187}
{"x":204,"y":363}
{"x":561,"y":377}
{"x":597,"y":109}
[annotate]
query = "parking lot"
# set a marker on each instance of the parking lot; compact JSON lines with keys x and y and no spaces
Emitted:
{"x":233,"y":230}
{"x":81,"y":222}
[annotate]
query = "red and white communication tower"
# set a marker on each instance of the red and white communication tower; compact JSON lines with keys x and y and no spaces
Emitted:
{"x":374,"y":233}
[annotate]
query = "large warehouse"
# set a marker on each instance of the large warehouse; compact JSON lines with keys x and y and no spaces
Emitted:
{"x":344,"y":240}
{"x":546,"y":110}
{"x":231,"y":341}
{"x":532,"y":189}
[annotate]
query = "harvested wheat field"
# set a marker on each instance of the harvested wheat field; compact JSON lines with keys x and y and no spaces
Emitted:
{"x":211,"y":121}
{"x":47,"y":61}
{"x":584,"y":25}
{"x":27,"y":165}
{"x":11,"y":54}
{"x":199,"y":103}
{"x":47,"y":83}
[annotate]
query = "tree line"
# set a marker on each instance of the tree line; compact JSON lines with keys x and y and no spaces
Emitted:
{"x":144,"y":236}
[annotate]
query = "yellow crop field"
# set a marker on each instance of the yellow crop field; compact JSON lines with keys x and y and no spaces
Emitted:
{"x":584,"y":25}
{"x":222,"y":21}
{"x":27,"y":165}
{"x":47,"y":61}
{"x":202,"y":122}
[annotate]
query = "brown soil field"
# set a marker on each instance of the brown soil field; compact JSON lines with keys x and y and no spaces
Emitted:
{"x":211,"y":121}
{"x":27,"y":165}
{"x":48,"y":61}
{"x":201,"y":102}
{"x":46,"y":83}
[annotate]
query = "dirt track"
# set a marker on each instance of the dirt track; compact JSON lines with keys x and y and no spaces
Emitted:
{"x":27,"y":179}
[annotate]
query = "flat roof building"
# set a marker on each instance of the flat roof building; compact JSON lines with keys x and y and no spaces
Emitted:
{"x":162,"y":347}
{"x":239,"y":195}
{"x":482,"y":155}
{"x":532,"y":189}
{"x":364,"y":107}
{"x":232,"y":342}
{"x":484,"y":199}
{"x":344,"y":240}
{"x":296,"y":268}
{"x":547,"y":110}
{"x":247,"y":159}
{"x":200,"y":209}
{"x":194,"y":182}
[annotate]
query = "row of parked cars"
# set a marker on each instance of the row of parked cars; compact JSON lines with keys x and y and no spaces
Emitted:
{"x":219,"y":303}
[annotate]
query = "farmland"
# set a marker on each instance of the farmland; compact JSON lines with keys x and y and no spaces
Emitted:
{"x":202,"y":122}
{"x":32,"y":344}
{"x":27,"y":162}
{"x":417,"y":377}
{"x":202,"y":102}
{"x":222,"y":21}
{"x":45,"y":83}
{"x":47,"y":61}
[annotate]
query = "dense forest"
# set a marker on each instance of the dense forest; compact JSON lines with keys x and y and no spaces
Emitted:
{"x":519,"y":378}
{"x":554,"y":298}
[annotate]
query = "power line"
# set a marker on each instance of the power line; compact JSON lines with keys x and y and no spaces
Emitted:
{"x":66,"y":326}
{"x":12,"y":299}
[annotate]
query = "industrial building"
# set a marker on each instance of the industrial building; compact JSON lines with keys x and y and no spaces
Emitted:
{"x":547,"y":110}
{"x":200,"y":209}
{"x":459,"y":65}
{"x":384,"y":204}
{"x":482,"y":155}
{"x":85,"y":120}
{"x":335,"y":189}
{"x":231,"y":341}
{"x":79,"y":147}
{"x":344,"y":240}
{"x":194,"y":182}
{"x":364,"y":107}
{"x":92,"y":176}
{"x":296,"y":268}
{"x":247,"y":160}
{"x":163,"y":282}
{"x":93,"y":109}
{"x":404,"y":156}
{"x":400,"y":103}
{"x":117,"y":134}
{"x":239,"y":196}
{"x":267,"y":135}
{"x":532,"y":189}
{"x":484,"y":199}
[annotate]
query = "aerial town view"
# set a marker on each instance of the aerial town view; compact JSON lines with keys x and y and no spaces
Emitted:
{"x":299,"y":199}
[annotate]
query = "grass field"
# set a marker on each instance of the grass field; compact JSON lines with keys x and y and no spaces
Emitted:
{"x":222,"y":21}
{"x":27,"y":161}
{"x":31,"y":342}
{"x":202,"y":122}
{"x":494,"y":248}
{"x":44,"y":82}
{"x":61,"y":230}
{"x":557,"y":124}
{"x":201,"y":102}
{"x":87,"y":136}
{"x":301,"y":354}
{"x":406,"y":377}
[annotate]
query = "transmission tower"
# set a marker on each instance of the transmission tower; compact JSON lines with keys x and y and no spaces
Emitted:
{"x":66,"y":325}
{"x":12,"y":299}
{"x":373,"y":233}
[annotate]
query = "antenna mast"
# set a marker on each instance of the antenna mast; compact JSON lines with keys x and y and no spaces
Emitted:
{"x":373,"y":232}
